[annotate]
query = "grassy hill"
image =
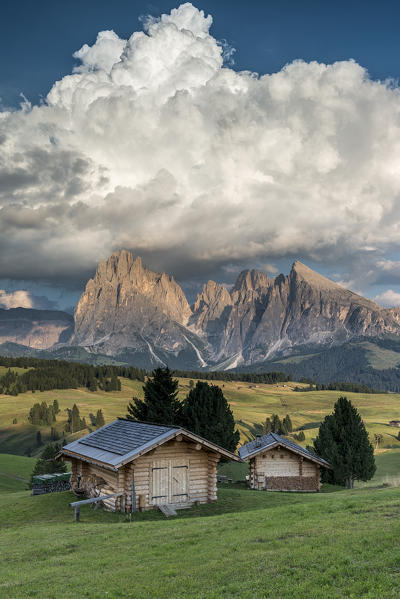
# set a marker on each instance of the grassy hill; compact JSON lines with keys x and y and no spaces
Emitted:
{"x":250,"y":403}
{"x":250,"y":544}
{"x":15,"y":471}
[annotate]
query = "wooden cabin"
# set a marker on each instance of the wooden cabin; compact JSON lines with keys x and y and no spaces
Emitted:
{"x":150,"y":464}
{"x":278,"y":464}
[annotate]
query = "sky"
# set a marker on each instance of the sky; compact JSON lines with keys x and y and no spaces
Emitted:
{"x":206,"y":138}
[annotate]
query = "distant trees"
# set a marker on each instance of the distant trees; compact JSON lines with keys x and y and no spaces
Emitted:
{"x":75,"y":423}
{"x":207,"y":414}
{"x":343,"y":442}
{"x":41,"y":414}
{"x":100,"y":419}
{"x":58,"y":374}
{"x":275,"y":425}
{"x":160,"y":404}
{"x":46,"y":464}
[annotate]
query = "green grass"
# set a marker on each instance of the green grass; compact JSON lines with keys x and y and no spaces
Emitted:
{"x":14,"y":472}
{"x":250,"y":404}
{"x":250,"y":544}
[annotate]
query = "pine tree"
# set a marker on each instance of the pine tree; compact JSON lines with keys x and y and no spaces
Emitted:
{"x":343,"y":442}
{"x":268,"y":426}
{"x":100,"y":419}
{"x":287,"y":423}
{"x":207,"y":413}
{"x":38,"y":438}
{"x":75,"y":419}
{"x":160,"y":404}
{"x":276,"y":424}
{"x":56,"y":407}
{"x":46,"y":464}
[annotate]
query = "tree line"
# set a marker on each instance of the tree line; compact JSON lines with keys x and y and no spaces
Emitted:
{"x":45,"y":375}
{"x":228,"y":376}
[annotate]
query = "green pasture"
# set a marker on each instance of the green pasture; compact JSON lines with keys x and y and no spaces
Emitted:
{"x":15,"y":471}
{"x":249,"y":544}
{"x":250,"y":403}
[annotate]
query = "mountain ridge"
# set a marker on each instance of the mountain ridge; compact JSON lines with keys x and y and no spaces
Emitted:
{"x":144,"y":318}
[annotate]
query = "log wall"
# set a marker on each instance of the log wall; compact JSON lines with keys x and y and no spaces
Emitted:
{"x":201,"y":482}
{"x":283,"y":470}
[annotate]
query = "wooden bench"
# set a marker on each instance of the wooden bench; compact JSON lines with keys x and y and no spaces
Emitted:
{"x":77,"y":504}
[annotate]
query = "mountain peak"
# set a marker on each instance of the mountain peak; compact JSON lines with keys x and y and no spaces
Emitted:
{"x":307,"y":274}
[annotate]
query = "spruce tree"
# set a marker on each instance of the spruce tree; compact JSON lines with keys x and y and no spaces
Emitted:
{"x":207,"y":413}
{"x":287,"y":423}
{"x":268,"y":426}
{"x":276,"y":424}
{"x":99,"y":419}
{"x":75,"y":419}
{"x":343,"y":442}
{"x":46,"y":464}
{"x":160,"y":404}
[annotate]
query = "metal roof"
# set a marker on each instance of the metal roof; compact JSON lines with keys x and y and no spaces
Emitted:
{"x":267,"y":442}
{"x":119,"y":441}
{"x":124,"y":440}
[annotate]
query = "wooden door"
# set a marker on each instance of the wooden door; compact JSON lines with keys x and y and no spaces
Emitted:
{"x":179,"y":481}
{"x":160,"y":482}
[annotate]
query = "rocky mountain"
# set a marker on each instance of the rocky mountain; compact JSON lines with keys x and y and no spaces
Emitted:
{"x":38,"y":329}
{"x":127,"y":309}
{"x":131,"y":314}
{"x":263,"y":317}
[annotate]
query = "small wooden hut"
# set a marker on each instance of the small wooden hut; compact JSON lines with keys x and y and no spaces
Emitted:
{"x":278,"y":464}
{"x":151,"y":465}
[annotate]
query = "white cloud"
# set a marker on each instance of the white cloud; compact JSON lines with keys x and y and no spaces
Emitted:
{"x":21,"y":298}
{"x":154,"y":145}
{"x":388,"y":298}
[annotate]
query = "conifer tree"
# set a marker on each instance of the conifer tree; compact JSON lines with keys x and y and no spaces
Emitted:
{"x":100,"y":419}
{"x":75,"y":419}
{"x":38,"y":438}
{"x":46,"y":464}
{"x":268,"y":426}
{"x":276,"y":424}
{"x":207,"y":413}
{"x":287,"y":423}
{"x":343,"y":442}
{"x":160,"y":404}
{"x":56,"y":407}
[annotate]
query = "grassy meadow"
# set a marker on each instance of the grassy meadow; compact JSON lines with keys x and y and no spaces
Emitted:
{"x":249,"y":544}
{"x":250,"y":403}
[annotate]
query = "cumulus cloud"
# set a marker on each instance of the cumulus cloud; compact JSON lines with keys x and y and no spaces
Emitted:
{"x":388,"y":298}
{"x":21,"y":298}
{"x":156,"y":145}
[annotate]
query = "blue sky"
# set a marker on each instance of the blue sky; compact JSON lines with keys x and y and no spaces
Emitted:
{"x":302,"y":165}
{"x":38,"y":38}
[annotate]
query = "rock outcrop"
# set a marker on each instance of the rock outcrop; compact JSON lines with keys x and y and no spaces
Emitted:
{"x":38,"y":329}
{"x":143,"y":317}
{"x":128,"y":307}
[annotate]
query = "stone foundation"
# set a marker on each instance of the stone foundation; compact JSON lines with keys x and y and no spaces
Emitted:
{"x":292,"y":483}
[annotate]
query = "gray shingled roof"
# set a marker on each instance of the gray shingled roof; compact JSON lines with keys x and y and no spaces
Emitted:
{"x":124,"y":440}
{"x":272,"y":440}
{"x":119,"y":440}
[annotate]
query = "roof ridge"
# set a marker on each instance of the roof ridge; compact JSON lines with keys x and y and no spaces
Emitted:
{"x":150,"y":423}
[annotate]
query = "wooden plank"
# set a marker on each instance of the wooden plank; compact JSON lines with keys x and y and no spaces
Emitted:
{"x":94,"y":499}
{"x":167,"y":510}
